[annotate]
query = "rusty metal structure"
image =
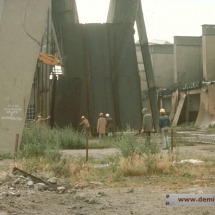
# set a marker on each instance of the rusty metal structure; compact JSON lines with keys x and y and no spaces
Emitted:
{"x":100,"y":72}
{"x":100,"y":69}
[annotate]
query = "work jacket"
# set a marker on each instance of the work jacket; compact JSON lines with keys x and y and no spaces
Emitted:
{"x":164,"y":121}
{"x":147,"y":122}
{"x":101,"y":125}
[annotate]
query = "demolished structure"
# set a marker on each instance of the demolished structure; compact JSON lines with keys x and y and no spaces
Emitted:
{"x":185,"y":77}
{"x":100,"y":72}
{"x":99,"y":69}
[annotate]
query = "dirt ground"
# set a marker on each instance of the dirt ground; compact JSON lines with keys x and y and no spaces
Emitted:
{"x":94,"y":198}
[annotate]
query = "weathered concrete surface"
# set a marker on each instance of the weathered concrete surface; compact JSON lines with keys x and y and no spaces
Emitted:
{"x":206,"y":115}
{"x":208,"y":52}
{"x":188,"y":59}
{"x":22,"y":25}
{"x":162,"y":57}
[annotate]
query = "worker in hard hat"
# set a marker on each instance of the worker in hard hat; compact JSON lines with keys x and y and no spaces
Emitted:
{"x":86,"y":124}
{"x":164,"y":124}
{"x":40,"y":119}
{"x":109,"y":125}
{"x":101,"y":125}
{"x":147,"y":125}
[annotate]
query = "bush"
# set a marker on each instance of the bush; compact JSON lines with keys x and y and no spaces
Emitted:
{"x":68,"y":138}
{"x":5,"y":155}
{"x":129,"y":144}
{"x":43,"y":141}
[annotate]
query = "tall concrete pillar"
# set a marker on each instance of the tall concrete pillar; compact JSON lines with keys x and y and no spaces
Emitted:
{"x":208,"y":50}
{"x":22,"y":25}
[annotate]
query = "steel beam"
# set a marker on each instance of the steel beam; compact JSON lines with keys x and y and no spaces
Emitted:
{"x":148,"y":65}
{"x":129,"y":11}
{"x":122,"y":11}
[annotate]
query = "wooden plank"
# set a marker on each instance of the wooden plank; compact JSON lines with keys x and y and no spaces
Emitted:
{"x":179,"y":108}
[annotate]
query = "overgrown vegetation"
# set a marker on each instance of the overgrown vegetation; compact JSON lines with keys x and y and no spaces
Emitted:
{"x":40,"y":151}
{"x":211,"y":126}
{"x":188,"y":126}
{"x":5,"y":155}
{"x":66,"y":138}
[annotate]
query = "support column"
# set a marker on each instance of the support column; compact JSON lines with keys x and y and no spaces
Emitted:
{"x":148,"y":66}
{"x":208,"y":50}
{"x":22,"y":25}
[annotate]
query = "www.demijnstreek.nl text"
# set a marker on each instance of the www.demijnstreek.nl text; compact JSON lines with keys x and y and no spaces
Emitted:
{"x":190,"y":199}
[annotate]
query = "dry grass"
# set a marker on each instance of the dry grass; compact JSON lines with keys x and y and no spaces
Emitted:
{"x":136,"y":165}
{"x":139,"y":170}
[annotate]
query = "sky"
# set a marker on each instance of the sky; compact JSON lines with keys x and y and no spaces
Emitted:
{"x":164,"y":19}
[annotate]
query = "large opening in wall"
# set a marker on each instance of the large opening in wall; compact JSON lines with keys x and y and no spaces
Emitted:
{"x":167,"y":104}
{"x":194,"y":106}
{"x":190,"y":109}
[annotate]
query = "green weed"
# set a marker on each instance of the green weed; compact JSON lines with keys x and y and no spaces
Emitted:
{"x":5,"y":155}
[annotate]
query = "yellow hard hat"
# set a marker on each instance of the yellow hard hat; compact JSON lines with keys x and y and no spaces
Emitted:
{"x":83,"y":117}
{"x":162,"y":110}
{"x":39,"y":116}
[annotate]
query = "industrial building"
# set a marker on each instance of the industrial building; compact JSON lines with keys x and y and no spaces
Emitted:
{"x":102,"y":69}
{"x":184,"y":74}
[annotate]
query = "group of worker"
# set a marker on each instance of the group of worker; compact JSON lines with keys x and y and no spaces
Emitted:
{"x":164,"y":124}
{"x":104,"y":125}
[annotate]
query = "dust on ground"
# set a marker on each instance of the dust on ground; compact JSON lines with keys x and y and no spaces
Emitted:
{"x":94,"y":198}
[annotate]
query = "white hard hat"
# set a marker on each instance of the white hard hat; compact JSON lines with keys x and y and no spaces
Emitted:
{"x":107,"y":114}
{"x":144,"y":111}
{"x":162,"y":110}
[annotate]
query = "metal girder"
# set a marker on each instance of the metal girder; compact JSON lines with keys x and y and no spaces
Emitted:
{"x":148,"y":65}
{"x":129,"y":11}
{"x":65,"y":11}
{"x":102,"y":75}
{"x":122,"y":11}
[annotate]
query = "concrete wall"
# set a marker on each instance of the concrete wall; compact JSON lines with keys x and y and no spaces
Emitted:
{"x":162,"y":57}
{"x":187,"y":59}
{"x":22,"y":26}
{"x":208,"y":50}
{"x":163,"y":65}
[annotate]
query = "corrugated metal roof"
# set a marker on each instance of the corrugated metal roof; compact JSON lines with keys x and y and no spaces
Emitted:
{"x":156,"y":42}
